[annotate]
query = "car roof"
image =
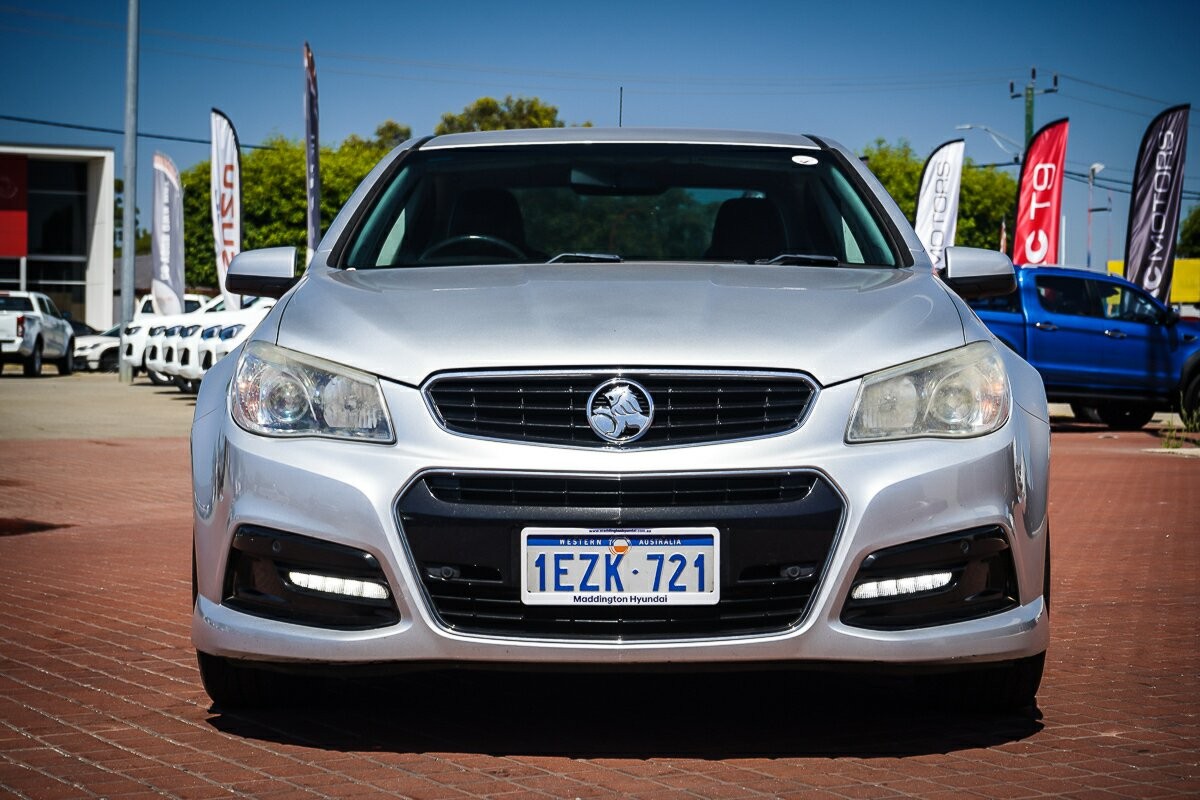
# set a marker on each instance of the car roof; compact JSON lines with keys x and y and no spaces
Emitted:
{"x":530,"y":136}
{"x":1073,"y":272}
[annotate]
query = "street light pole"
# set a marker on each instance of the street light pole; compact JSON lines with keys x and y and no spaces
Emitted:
{"x":998,"y":138}
{"x":1092,"y":170}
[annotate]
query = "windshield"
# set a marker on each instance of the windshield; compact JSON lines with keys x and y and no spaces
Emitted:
{"x":601,"y":202}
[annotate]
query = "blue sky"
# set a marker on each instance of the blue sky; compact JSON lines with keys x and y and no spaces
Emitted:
{"x":853,"y":71}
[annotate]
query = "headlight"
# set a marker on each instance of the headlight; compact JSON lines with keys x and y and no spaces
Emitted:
{"x":210,"y":332}
{"x":279,"y":392}
{"x":173,"y":330}
{"x":956,"y":394}
{"x":190,"y":330}
{"x":156,"y":330}
{"x":232,"y":331}
{"x":130,"y":330}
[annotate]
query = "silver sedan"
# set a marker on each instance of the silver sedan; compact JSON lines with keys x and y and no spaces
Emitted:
{"x":624,"y":399}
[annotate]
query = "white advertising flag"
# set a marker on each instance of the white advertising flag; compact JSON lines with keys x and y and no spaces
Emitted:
{"x":166,"y":237}
{"x":937,"y":200}
{"x":226,"y":199}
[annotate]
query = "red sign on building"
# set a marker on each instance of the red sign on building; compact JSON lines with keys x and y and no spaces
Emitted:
{"x":14,"y":214}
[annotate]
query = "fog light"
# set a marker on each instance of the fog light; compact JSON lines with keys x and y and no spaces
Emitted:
{"x":898,"y":587}
{"x":348,"y":587}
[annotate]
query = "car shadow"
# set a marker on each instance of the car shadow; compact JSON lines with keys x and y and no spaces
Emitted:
{"x":714,"y":716}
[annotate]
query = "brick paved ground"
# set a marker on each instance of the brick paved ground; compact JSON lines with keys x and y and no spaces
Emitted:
{"x":99,"y":695}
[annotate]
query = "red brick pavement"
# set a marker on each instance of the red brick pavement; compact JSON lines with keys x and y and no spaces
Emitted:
{"x":99,"y":695}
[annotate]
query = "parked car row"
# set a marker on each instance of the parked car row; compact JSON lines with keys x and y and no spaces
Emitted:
{"x":179,"y":348}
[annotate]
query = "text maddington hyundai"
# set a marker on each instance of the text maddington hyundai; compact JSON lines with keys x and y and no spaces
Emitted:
{"x":589,"y":399}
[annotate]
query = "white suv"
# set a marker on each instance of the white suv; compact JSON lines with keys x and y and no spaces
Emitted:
{"x":183,"y":354}
{"x":145,"y":316}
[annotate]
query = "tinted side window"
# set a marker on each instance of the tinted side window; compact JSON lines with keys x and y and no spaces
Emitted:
{"x":9,"y":303}
{"x":1010,"y":303}
{"x":1062,"y":295}
{"x":1125,"y":304}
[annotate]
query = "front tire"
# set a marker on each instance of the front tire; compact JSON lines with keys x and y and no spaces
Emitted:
{"x":1084,"y":413}
{"x":1125,"y":416}
{"x":1006,"y":687}
{"x":231,"y":685}
{"x":33,"y":365}
{"x":66,"y":364}
{"x":158,"y":379}
{"x":1190,"y":408}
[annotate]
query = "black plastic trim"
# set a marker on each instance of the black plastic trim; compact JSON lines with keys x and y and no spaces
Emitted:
{"x":984,"y":581}
{"x":256,"y":580}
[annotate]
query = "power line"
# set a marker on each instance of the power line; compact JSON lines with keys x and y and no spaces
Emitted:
{"x":1115,"y":89}
{"x":117,"y":131}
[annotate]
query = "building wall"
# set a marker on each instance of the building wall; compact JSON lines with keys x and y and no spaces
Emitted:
{"x":69,"y":253}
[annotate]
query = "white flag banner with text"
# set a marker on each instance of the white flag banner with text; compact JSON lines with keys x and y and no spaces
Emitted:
{"x":226,"y":199}
{"x":937,"y":200}
{"x":166,"y":238}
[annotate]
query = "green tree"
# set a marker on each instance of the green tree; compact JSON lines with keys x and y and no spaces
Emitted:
{"x":1189,"y":235}
{"x":274,"y":200}
{"x":987,"y":196}
{"x":391,"y":133}
{"x":489,"y":114}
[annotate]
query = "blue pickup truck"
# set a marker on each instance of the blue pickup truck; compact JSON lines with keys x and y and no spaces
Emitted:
{"x":1101,"y":344}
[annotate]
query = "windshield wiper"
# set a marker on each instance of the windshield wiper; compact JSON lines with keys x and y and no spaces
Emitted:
{"x":584,"y":258}
{"x":802,"y":260}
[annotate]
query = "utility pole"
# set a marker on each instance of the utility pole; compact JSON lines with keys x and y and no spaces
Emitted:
{"x":129,"y":212}
{"x":1028,"y":93}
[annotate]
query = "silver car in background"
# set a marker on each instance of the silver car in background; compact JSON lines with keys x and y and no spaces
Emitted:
{"x":593,"y":399}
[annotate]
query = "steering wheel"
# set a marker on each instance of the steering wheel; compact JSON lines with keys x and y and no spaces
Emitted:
{"x":493,"y":242}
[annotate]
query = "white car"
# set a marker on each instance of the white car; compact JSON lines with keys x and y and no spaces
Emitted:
{"x":99,"y":352}
{"x":32,"y":329}
{"x":137,"y":331}
{"x":185,"y":356}
{"x":155,"y":356}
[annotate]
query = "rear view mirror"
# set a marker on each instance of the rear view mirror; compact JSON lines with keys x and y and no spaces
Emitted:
{"x":269,"y":272}
{"x":974,"y":273}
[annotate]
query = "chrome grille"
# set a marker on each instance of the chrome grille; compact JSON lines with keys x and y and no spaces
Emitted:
{"x":690,"y":408}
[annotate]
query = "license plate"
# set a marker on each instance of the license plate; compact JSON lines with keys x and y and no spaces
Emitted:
{"x":620,"y":566}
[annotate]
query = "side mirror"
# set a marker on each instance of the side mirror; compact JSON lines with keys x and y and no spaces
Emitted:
{"x":974,"y":273}
{"x":269,"y":272}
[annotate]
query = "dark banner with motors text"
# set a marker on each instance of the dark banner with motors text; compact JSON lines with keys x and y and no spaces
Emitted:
{"x":312,"y":151}
{"x":1154,"y":206}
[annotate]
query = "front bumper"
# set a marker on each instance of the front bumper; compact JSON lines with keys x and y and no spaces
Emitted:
{"x":133,"y":349}
{"x":188,"y":362}
{"x":348,"y":494}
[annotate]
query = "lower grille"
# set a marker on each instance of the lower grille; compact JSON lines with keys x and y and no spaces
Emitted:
{"x":464,"y":531}
{"x":619,"y":492}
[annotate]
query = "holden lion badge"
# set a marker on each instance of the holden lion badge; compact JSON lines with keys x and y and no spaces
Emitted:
{"x":620,"y":411}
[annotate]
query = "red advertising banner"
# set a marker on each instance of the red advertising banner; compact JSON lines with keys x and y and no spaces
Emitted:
{"x":14,"y":214}
{"x":1039,"y":197}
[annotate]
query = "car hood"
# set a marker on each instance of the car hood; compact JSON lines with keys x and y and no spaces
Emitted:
{"x":832,"y":323}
